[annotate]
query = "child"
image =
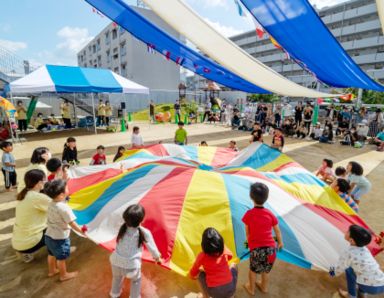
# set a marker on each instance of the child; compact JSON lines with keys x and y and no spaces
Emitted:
{"x":136,"y":140}
{"x":8,"y":166}
{"x":57,"y":169}
{"x":278,"y":139}
{"x":120,"y":153}
{"x":181,"y":137}
{"x":341,"y":172}
{"x":359,"y":184}
{"x":341,"y":187}
{"x":60,"y":220}
{"x":325,"y":171}
{"x":203,"y":144}
{"x":259,"y":223}
{"x":361,"y":269}
{"x":70,"y":152}
{"x":126,"y":259}
{"x":232,"y":145}
{"x":257,"y":136}
{"x":99,"y":158}
{"x":218,"y":280}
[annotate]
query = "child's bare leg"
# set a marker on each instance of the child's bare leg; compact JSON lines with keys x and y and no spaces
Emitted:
{"x":263,"y":285}
{"x":64,"y":275}
{"x":52,"y":266}
{"x":250,"y":286}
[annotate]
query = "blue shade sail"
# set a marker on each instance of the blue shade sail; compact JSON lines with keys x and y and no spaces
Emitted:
{"x":296,"y":26}
{"x":162,"y":42}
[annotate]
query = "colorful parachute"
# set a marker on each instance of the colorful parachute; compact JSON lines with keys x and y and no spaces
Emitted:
{"x":187,"y":189}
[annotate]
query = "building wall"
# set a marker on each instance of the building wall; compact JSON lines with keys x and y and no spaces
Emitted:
{"x":116,"y":49}
{"x":354,"y":23}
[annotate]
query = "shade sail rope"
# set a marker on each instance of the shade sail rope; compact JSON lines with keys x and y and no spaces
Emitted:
{"x":184,"y":20}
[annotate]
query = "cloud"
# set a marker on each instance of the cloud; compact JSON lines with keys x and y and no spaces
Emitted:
{"x":223,"y":29}
{"x":209,"y":3}
{"x":324,"y":3}
{"x":13,"y":46}
{"x":74,"y":38}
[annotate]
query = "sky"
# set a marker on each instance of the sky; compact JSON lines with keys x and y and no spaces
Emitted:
{"x":53,"y":31}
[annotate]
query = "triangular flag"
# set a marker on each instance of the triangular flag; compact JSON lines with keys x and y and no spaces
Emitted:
{"x":240,"y":10}
{"x":167,"y":54}
{"x":259,"y":29}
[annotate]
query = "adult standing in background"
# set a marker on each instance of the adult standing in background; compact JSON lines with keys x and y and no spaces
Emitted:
{"x":308,"y":113}
{"x":21,"y":116}
{"x":152,"y":111}
{"x":66,"y":114}
{"x":207,"y":111}
{"x":299,"y":113}
{"x":376,"y":122}
{"x":331,"y":113}
{"x":108,"y":112}
{"x":177,"y":108}
{"x":101,"y":113}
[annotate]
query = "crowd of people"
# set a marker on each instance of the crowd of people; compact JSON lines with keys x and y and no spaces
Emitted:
{"x":43,"y":219}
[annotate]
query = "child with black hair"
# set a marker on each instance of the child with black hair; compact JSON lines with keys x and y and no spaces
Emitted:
{"x":57,"y":169}
{"x":361,"y":269}
{"x":59,"y":223}
{"x":341,"y":187}
{"x":136,"y":139}
{"x":259,"y":223}
{"x":203,"y":144}
{"x":126,"y":259}
{"x":70,"y":152}
{"x":8,"y":166}
{"x":219,"y":279}
{"x":341,"y":172}
{"x":233,"y":146}
{"x":325,"y":171}
{"x":181,"y":136}
{"x":360,"y":185}
{"x":99,"y":158}
{"x":278,"y":139}
{"x":120,"y":153}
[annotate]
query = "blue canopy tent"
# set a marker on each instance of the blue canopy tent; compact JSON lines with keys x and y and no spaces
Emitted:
{"x":70,"y":79}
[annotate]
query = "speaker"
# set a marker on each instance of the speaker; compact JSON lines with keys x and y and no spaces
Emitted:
{"x":122,"y":105}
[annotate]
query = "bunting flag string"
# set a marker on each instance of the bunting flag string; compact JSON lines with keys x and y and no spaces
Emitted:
{"x":151,"y":48}
{"x":94,"y":10}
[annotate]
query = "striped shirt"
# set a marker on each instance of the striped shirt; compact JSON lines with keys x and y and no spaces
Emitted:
{"x":351,"y":203}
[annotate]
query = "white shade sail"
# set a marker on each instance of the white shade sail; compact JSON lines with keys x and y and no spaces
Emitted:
{"x":184,"y":20}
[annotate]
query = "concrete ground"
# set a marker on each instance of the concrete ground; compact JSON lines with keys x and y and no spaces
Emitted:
{"x":29,"y":280}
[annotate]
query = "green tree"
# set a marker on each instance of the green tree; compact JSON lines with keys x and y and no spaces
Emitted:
{"x":269,"y":98}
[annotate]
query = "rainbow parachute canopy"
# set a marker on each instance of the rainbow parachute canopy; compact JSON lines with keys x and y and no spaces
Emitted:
{"x":184,"y":190}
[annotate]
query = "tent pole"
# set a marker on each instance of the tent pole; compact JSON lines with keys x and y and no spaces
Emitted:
{"x":9,"y":120}
{"x":74,"y":108}
{"x":93,"y":112}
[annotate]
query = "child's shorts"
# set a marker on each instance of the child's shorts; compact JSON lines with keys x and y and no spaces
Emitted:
{"x":358,"y":192}
{"x":261,"y":259}
{"x":224,"y":291}
{"x":59,"y":248}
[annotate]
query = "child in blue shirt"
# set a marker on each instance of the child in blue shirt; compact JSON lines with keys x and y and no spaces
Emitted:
{"x":359,"y":184}
{"x":8,"y":166}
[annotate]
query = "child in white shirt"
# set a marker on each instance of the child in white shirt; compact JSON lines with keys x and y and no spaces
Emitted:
{"x":136,"y":140}
{"x":363,"y":273}
{"x":60,"y":220}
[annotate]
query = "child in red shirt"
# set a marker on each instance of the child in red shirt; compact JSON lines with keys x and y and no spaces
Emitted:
{"x":259,"y":223}
{"x":57,"y":169}
{"x":278,"y":139}
{"x":216,"y":278}
{"x":99,"y":158}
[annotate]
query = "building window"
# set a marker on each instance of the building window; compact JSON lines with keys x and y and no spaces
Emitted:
{"x":116,"y":70}
{"x":94,"y":48}
{"x":123,"y":49}
{"x":107,"y":38}
{"x":85,"y":65}
{"x":90,"y":62}
{"x":115,"y":53}
{"x":99,"y":61}
{"x":123,"y":70}
{"x":98,"y":45}
{"x":90,"y":49}
{"x":121,"y":30}
{"x":108,"y":56}
{"x":114,"y":34}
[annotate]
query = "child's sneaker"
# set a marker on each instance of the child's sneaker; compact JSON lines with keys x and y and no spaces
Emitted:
{"x":27,"y":258}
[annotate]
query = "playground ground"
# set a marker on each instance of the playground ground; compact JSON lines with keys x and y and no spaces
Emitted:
{"x":29,"y":280}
